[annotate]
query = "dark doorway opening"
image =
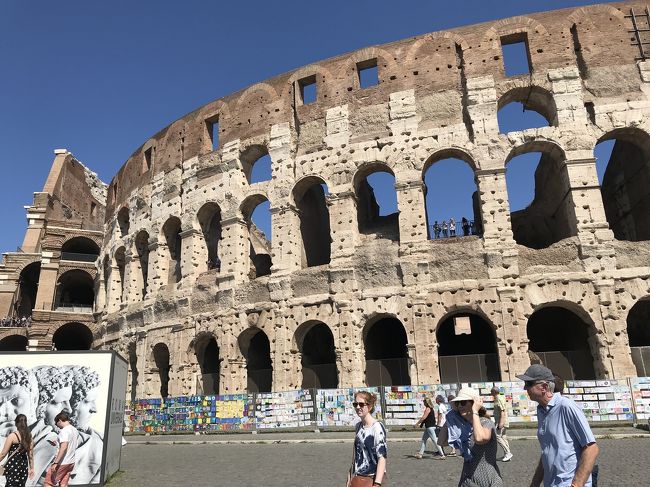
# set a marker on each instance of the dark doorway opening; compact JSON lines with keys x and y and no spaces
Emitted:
{"x":161,"y":359}
{"x":256,"y":349}
{"x":387,"y":360}
{"x":172,"y":233}
{"x":559,"y":338}
{"x":14,"y":343}
{"x":207,"y":354}
{"x":318,"y":356}
{"x":27,"y":290}
{"x":73,"y":336}
{"x":75,"y":290}
{"x":467,"y":349}
{"x":310,"y":198}
{"x":638,"y":332}
{"x":133,"y":364}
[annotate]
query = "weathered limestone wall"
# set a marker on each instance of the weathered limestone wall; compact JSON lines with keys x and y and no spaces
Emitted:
{"x":437,"y":97}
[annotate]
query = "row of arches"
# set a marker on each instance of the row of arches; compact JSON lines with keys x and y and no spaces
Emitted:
{"x":70,"y":336}
{"x":467,"y":350}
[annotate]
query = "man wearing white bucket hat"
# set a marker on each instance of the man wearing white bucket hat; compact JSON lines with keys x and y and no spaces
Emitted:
{"x":569,"y":449}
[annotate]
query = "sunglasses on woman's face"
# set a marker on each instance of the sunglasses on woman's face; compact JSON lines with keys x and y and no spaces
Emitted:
{"x":464,"y":403}
{"x":359,"y":404}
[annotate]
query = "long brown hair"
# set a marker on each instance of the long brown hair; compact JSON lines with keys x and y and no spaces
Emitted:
{"x":23,"y":431}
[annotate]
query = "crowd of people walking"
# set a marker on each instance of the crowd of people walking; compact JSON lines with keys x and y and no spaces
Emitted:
{"x":568,"y":447}
{"x":449,"y":228}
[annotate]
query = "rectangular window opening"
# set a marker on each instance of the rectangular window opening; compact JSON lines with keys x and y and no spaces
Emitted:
{"x":212,"y":124}
{"x":93,"y":208}
{"x":368,"y":73}
{"x":307,"y":87}
{"x":148,"y":159}
{"x":516,"y":55}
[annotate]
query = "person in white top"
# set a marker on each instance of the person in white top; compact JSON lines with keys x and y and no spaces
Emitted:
{"x":63,"y":464}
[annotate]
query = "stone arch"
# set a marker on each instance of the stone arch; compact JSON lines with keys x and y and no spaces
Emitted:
{"x":467,"y":346}
{"x":76,"y":247}
{"x":638,"y":332}
{"x":452,"y":37}
{"x":14,"y":343}
{"x":252,"y":155}
{"x":532,"y":97}
{"x":625,"y":182}
{"x":385,"y":63}
{"x":252,"y":90}
{"x":450,"y":153}
{"x":27,"y":289}
{"x":255,"y":347}
{"x":368,"y":210}
{"x":216,"y":111}
{"x":119,"y":258}
{"x":209,"y":219}
{"x":310,"y":197}
{"x":258,"y":250}
{"x":162,"y":361}
{"x":550,"y":216}
{"x":208,"y":356}
{"x":123,"y":221}
{"x":512,"y":25}
{"x":75,"y":289}
{"x":385,"y":342}
{"x":315,"y":341}
{"x":73,"y":336}
{"x":559,"y":334}
{"x":320,"y":74}
{"x":141,"y":252}
{"x":583,"y":14}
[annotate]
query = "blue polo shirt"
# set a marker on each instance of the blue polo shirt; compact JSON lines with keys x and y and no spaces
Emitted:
{"x":562,"y":431}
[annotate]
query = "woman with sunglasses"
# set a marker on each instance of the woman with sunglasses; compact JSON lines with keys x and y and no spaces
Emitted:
{"x":428,"y":420}
{"x":369,"y":462}
{"x":476,"y":438}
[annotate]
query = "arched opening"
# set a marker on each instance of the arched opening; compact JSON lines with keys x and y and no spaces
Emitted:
{"x":256,"y":211}
{"x":377,"y":211}
{"x":133,"y":367}
{"x":14,"y":343}
{"x":80,"y":249}
{"x":75,"y":292}
{"x":638,"y":332}
{"x":120,"y":263}
{"x":142,"y":253}
{"x":541,"y":206}
{"x":318,"y":356}
{"x":107,"y":282}
{"x":207,"y":355}
{"x":162,"y":361}
{"x":623,"y":163}
{"x":256,"y":349}
{"x":123,"y":221}
{"x":73,"y":336}
{"x":451,"y":197}
{"x":172,"y":233}
{"x":525,"y":108}
{"x":467,"y":349}
{"x":25,"y":299}
{"x":310,"y":197}
{"x":559,"y":338}
{"x":256,"y":163}
{"x":209,"y":217}
{"x":387,"y":360}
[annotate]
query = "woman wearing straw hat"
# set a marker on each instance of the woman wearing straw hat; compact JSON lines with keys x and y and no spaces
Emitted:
{"x":473,"y":434}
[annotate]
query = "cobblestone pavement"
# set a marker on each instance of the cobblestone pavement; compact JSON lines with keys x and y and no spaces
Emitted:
{"x":623,"y":462}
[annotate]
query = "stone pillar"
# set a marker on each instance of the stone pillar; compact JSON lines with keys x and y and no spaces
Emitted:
{"x":192,"y":243}
{"x":403,"y":112}
{"x":426,"y":346}
{"x":511,"y":335}
{"x":283,"y":357}
{"x":567,"y":93}
{"x":234,"y":248}
{"x":286,"y":246}
{"x":482,"y":106}
{"x":412,"y":215}
{"x":158,"y":266}
{"x":344,"y":225}
{"x":500,"y":247}
{"x":593,"y":230}
{"x":353,"y":361}
{"x":338,"y":126}
{"x":47,"y":286}
{"x":233,"y":376}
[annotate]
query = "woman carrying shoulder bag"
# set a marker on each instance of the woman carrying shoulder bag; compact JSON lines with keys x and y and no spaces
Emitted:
{"x":370,"y":452}
{"x":20,"y":448}
{"x":428,"y":419}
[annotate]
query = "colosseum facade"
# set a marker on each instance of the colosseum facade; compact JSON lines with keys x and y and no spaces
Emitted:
{"x":200,"y":300}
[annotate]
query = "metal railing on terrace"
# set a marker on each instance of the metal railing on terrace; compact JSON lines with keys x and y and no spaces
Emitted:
{"x":78,"y":257}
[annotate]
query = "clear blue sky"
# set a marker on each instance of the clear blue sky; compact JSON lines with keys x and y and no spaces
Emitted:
{"x":99,"y":78}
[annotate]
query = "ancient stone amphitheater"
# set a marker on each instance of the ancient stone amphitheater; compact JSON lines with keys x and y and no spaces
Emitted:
{"x":202,"y":301}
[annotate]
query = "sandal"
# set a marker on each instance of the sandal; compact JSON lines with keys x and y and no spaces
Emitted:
{"x":418,"y":456}
{"x":440,"y":457}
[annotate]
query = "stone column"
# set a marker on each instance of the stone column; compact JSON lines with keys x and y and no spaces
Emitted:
{"x":482,"y":106}
{"x":512,"y":338}
{"x":426,"y":346}
{"x":158,"y":266}
{"x":47,"y":286}
{"x":192,"y":241}
{"x":234,"y":249}
{"x":353,"y":361}
{"x":286,"y":246}
{"x":500,"y":247}
{"x":412,"y":215}
{"x":283,"y":357}
{"x":344,"y":225}
{"x":593,"y":230}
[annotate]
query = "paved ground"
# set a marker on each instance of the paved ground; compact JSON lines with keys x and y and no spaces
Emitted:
{"x":623,"y":462}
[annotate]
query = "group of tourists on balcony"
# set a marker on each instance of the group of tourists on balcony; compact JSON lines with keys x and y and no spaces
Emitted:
{"x":448,"y":228}
{"x":16,"y":322}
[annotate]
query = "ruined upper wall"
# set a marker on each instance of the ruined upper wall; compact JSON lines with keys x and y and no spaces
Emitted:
{"x":435,"y":65}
